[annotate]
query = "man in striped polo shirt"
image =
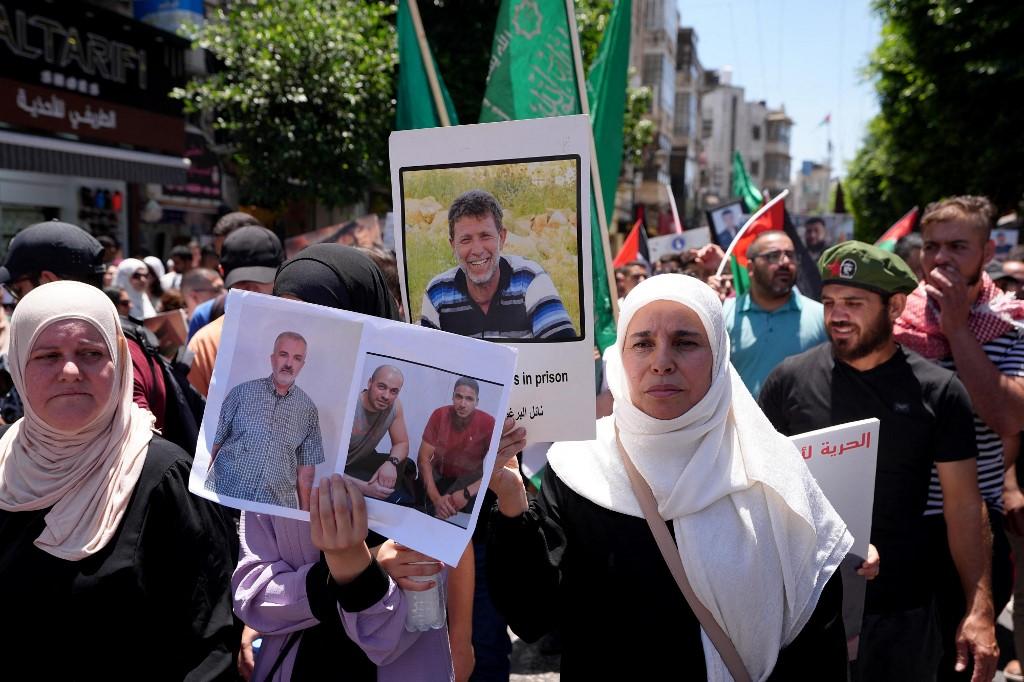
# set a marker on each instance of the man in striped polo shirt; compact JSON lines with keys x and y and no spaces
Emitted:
{"x":488,"y":295}
{"x":959,"y":319}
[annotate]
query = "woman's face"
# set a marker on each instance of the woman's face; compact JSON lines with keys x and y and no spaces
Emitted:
{"x":140,"y":278}
{"x":69,"y":375}
{"x":667,"y":358}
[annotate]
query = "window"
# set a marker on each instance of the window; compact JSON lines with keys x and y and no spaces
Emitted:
{"x":653,"y":12}
{"x":755,"y":166}
{"x":682,"y":123}
{"x":706,"y":128}
{"x":652,"y":70}
{"x":755,"y":133}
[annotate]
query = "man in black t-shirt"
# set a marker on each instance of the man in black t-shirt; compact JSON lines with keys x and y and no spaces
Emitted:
{"x":925,"y":417}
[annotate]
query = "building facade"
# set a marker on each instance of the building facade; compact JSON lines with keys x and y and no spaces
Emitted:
{"x":88,"y":132}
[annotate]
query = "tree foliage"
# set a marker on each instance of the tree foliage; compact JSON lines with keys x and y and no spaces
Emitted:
{"x":303,"y":93}
{"x":946,"y":73}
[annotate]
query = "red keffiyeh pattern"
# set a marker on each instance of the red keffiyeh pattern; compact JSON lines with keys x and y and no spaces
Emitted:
{"x":991,"y":316}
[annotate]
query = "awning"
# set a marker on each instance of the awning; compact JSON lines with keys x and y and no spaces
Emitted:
{"x":64,"y":157}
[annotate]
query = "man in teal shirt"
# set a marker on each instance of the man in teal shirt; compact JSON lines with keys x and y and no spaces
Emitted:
{"x":773,"y":320}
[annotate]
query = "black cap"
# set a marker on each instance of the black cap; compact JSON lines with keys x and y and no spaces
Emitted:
{"x":251,"y":254}
{"x":62,"y":248}
{"x":181,"y":251}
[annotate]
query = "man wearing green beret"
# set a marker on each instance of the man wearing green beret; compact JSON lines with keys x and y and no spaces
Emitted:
{"x":926,"y":419}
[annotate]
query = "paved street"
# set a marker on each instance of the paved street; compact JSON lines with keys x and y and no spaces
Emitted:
{"x":530,"y":665}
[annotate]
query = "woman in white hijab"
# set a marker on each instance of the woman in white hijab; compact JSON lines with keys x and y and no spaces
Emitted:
{"x":133,"y":277}
{"x":758,"y":540}
{"x":104,"y":554}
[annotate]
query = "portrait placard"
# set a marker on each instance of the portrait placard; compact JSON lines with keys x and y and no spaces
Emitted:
{"x":412,"y":416}
{"x":677,"y":243}
{"x":492,"y":232}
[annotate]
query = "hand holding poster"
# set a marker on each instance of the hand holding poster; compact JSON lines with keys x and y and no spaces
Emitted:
{"x":411,"y":416}
{"x":494,"y":243}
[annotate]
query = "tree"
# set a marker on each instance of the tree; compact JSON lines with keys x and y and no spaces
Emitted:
{"x":945,"y":72}
{"x":303,"y":93}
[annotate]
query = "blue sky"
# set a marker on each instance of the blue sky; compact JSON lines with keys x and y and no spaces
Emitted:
{"x":804,"y":54}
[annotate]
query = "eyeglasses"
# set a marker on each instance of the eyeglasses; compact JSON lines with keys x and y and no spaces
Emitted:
{"x":776,"y":256}
{"x":124,"y":303}
{"x":16,"y":287}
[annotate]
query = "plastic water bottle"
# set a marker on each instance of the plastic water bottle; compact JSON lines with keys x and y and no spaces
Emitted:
{"x":427,"y":608}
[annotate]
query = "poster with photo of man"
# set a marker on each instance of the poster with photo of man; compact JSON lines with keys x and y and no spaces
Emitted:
{"x":493,"y":239}
{"x":411,"y":415}
{"x":725,"y":221}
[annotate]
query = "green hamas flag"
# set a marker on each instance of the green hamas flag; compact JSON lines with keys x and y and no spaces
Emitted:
{"x":606,"y":92}
{"x":415,"y":101}
{"x":531,"y":73}
{"x":743,"y":186}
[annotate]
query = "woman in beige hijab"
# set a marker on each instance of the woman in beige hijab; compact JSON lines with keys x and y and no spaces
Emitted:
{"x":111,"y":568}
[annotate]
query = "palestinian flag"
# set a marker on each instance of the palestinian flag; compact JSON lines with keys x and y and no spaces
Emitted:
{"x":901,"y":228}
{"x":634,"y":248}
{"x":771,"y":216}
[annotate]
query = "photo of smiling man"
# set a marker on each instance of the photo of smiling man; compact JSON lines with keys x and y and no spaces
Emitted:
{"x":489,"y":295}
{"x":268,"y":439}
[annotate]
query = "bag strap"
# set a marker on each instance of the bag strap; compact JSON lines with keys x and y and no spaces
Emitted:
{"x":670,"y":552}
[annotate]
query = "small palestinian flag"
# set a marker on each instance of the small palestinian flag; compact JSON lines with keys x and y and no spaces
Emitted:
{"x":901,"y":228}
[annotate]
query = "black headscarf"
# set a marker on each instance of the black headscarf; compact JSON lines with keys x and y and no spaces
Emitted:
{"x":337,"y":276}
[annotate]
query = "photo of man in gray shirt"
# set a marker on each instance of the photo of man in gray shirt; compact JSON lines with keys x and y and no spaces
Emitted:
{"x":268,"y":441}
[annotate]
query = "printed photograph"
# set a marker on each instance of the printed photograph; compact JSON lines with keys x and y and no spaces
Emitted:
{"x":493,"y":249}
{"x":822,"y":231}
{"x":273,"y":428}
{"x":726,"y":221}
{"x":420,"y":435}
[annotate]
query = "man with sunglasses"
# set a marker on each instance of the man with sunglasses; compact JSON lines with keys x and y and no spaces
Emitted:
{"x":773,"y":320}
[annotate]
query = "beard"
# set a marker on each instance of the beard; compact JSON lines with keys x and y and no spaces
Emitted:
{"x":773,"y":286}
{"x":873,"y":336}
{"x":484,"y":278}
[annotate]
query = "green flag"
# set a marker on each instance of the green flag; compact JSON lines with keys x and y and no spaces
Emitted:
{"x":606,"y":92}
{"x":531,"y":74}
{"x":743,"y":186}
{"x":415,"y":101}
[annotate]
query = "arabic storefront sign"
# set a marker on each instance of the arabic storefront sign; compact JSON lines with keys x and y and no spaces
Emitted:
{"x":202,"y":180}
{"x":77,"y":69}
{"x":79,"y":47}
{"x":47,"y":109}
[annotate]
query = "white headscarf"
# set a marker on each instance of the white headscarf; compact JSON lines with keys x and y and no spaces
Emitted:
{"x":86,"y":476}
{"x":755,"y":533}
{"x":142,"y":307}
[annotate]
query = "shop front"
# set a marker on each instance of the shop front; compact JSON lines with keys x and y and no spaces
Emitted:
{"x":85,"y":118}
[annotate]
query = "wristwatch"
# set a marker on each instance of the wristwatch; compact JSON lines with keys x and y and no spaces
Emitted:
{"x":395,"y":461}
{"x":465,"y":494}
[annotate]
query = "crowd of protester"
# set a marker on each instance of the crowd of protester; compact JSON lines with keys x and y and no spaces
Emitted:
{"x":104,"y":548}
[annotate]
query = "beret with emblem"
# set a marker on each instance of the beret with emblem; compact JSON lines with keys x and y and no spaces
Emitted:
{"x":856,"y":264}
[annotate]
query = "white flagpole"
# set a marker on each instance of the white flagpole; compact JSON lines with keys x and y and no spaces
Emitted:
{"x":728,"y":252}
{"x":675,"y":211}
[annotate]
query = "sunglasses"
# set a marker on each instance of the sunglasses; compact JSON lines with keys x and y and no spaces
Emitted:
{"x":139,"y":275}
